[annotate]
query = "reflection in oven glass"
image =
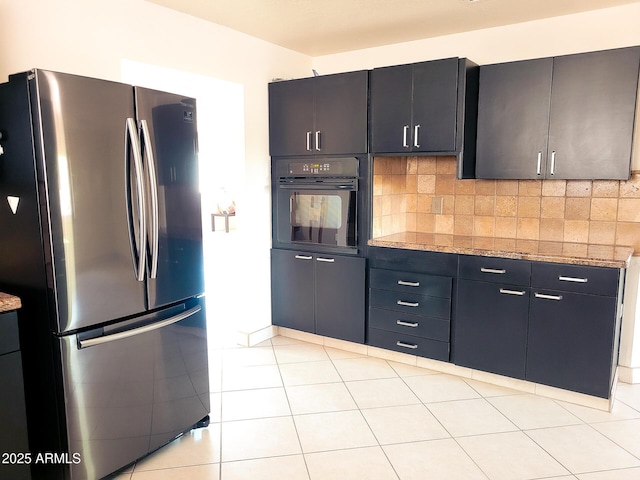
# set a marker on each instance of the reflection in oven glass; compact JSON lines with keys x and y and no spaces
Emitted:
{"x":316,"y":218}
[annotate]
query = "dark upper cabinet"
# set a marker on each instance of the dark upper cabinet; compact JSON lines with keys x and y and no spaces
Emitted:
{"x":426,"y":108}
{"x":322,"y":115}
{"x":568,"y":117}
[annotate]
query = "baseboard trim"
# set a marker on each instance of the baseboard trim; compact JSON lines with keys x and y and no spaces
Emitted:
{"x":629,"y":374}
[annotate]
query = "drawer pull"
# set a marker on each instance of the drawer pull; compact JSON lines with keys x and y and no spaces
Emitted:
{"x":407,"y":304}
{"x":408,"y":284}
{"x":492,"y":270}
{"x":407,"y":324}
{"x":512,"y":292}
{"x":304,"y":257}
{"x":573,"y":279}
{"x":406,"y":345}
{"x":328,"y":260}
{"x":548,"y":297}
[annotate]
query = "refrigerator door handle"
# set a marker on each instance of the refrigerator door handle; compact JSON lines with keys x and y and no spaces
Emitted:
{"x":137,"y":241}
{"x":153,"y":191}
{"x":91,"y":342}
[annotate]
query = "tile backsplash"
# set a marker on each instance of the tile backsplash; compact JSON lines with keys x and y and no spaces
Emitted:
{"x":422,"y":194}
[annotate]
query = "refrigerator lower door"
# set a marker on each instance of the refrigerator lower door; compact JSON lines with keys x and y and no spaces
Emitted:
{"x":132,"y":389}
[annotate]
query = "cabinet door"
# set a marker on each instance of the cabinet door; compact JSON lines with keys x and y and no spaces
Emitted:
{"x":292,"y":290}
{"x":491,"y":327}
{"x":341,"y":107}
{"x":513,"y":119}
{"x":570,"y":342}
{"x":340,"y":288}
{"x":435,"y":106}
{"x":593,"y":104}
{"x":291,"y":117}
{"x":391,"y":109}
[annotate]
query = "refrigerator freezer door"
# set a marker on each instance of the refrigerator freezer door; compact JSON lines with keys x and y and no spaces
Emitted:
{"x":167,"y":124}
{"x":82,"y":168}
{"x":135,"y":388}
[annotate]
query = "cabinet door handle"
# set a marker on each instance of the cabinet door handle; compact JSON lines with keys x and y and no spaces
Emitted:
{"x":416,"y":131}
{"x":318,"y":140}
{"x":408,"y":304}
{"x":308,"y":141}
{"x":408,"y":284}
{"x":405,"y":134}
{"x":492,"y":270}
{"x":304,"y":257}
{"x":573,"y":279}
{"x":512,"y":292}
{"x":328,"y":260}
{"x":553,"y":163}
{"x":406,"y":345}
{"x":539,"y":169}
{"x":548,"y":297}
{"x":407,"y":324}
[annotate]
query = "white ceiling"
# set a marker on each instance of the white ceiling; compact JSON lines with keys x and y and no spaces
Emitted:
{"x":321,"y":27}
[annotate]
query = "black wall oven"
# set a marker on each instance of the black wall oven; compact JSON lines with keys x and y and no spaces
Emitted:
{"x":317,"y":204}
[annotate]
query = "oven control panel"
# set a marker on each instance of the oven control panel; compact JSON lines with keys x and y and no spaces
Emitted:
{"x":315,"y":168}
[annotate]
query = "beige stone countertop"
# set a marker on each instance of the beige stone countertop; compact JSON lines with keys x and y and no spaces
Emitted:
{"x":9,"y":302}
{"x":557,"y":252}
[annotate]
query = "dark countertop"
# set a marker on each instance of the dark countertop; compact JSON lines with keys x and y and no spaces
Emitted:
{"x":556,"y":252}
{"x":9,"y":302}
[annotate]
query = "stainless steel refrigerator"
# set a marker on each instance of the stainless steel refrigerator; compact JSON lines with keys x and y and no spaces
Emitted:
{"x":101,"y":238}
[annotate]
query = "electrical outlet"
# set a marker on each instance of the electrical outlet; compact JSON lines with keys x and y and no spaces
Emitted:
{"x":436,"y":205}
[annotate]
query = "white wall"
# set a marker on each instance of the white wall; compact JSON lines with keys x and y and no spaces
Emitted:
{"x":597,"y":30}
{"x":91,"y":37}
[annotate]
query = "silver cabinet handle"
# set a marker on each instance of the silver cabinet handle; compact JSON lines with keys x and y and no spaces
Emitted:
{"x":548,"y":297}
{"x":416,"y":131}
{"x":407,"y":304}
{"x":406,"y":345}
{"x":308,"y":141}
{"x":328,"y":260}
{"x":405,"y":134}
{"x":407,"y":324}
{"x":512,"y":292}
{"x":318,"y":140}
{"x":539,"y":169}
{"x":573,"y":279}
{"x":408,"y":284}
{"x":304,"y":257}
{"x":553,"y":163}
{"x":492,"y":270}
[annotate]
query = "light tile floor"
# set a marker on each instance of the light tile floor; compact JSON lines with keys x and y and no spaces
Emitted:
{"x":290,"y":410}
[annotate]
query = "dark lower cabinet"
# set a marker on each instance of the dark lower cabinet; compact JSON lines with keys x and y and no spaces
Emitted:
{"x":491,"y":327}
{"x":410,"y":296}
{"x":14,"y":442}
{"x":316,"y":293}
{"x":552,"y":324}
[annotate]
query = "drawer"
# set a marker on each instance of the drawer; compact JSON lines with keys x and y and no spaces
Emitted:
{"x":9,"y":341}
{"x":416,"y":283}
{"x":436,"y":263}
{"x":492,"y":269}
{"x":575,"y":278}
{"x":422,"y":347}
{"x":405,"y":323}
{"x":409,"y":303}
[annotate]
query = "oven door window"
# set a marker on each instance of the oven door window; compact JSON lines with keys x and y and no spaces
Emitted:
{"x":322,"y":217}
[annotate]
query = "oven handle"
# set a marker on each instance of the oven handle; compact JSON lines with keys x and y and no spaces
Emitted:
{"x":317,"y":186}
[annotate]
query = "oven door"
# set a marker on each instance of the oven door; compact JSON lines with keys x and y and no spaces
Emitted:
{"x":315,"y":212}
